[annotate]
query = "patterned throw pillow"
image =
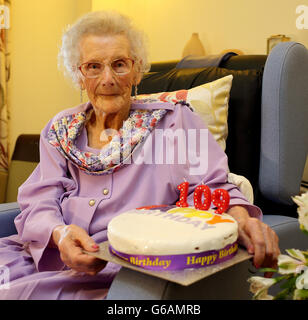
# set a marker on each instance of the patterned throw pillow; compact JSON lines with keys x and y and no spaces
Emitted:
{"x":209,"y":100}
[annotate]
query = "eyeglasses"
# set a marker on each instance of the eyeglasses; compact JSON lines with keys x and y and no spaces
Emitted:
{"x":119,"y":67}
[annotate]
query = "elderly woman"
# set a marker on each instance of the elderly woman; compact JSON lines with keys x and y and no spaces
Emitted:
{"x":79,"y":185}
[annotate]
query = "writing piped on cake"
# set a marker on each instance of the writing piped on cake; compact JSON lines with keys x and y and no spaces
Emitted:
{"x":197,"y":218}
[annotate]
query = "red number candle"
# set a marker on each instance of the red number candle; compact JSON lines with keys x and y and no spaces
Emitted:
{"x":206,"y":192}
{"x":221,"y":199}
{"x":183,"y":187}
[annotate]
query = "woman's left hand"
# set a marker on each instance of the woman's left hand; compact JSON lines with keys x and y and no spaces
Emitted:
{"x":257,"y":237}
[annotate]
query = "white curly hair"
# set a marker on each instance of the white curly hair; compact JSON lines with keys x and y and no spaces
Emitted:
{"x":101,"y":23}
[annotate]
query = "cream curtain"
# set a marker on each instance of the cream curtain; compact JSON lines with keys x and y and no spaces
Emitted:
{"x":4,"y":106}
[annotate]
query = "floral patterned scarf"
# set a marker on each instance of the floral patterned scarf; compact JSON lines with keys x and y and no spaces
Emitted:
{"x":136,"y":128}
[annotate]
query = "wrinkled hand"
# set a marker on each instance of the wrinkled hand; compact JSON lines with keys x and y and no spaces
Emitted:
{"x":258,"y":238}
{"x":71,"y":240}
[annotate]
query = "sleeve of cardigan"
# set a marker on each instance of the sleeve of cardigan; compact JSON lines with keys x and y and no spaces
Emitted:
{"x":206,"y":162}
{"x":39,"y":199}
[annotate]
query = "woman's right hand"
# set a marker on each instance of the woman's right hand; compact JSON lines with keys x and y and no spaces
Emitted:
{"x":71,"y":240}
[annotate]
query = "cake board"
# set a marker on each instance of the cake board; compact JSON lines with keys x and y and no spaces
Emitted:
{"x":184,"y":277}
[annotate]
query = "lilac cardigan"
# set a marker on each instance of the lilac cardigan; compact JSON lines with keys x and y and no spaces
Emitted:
{"x":50,"y":197}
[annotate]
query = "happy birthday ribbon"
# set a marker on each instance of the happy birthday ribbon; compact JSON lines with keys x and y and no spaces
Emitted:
{"x":178,"y":261}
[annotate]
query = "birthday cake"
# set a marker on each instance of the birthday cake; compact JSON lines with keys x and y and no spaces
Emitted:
{"x":173,"y":238}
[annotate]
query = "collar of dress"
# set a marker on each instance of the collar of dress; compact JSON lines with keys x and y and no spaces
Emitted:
{"x":144,"y":116}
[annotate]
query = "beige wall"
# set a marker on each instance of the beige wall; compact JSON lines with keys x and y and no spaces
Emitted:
{"x":37,"y":90}
{"x":221,"y":24}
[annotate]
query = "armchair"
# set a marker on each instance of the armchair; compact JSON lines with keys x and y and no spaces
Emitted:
{"x":267,"y":143}
{"x":268,"y":106}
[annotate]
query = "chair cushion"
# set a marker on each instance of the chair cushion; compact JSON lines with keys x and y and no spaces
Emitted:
{"x":27,"y":148}
{"x":19,"y":173}
{"x":24,"y":160}
{"x":209,"y":100}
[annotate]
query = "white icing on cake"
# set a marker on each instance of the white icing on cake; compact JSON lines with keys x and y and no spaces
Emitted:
{"x":176,"y":231}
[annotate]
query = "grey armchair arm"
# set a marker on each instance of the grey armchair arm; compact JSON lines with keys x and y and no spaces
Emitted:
{"x":284,"y":130}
